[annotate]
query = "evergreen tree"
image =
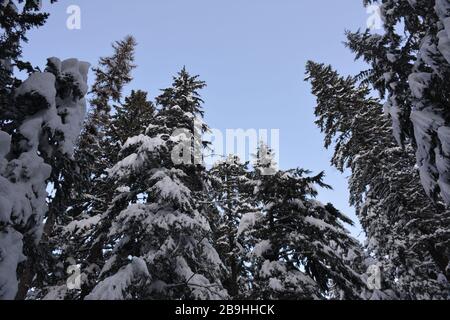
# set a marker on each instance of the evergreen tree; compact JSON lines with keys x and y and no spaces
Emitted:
{"x":92,"y":156}
{"x":22,"y":103}
{"x":300,"y":247}
{"x":233,"y":196}
{"x":158,"y":242}
{"x":28,"y":156}
{"x":57,"y":149}
{"x":411,"y":64}
{"x":130,"y":119}
{"x":406,"y":231}
{"x":15,"y":23}
{"x":81,"y":190}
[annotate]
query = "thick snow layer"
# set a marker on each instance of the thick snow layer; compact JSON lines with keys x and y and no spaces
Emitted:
{"x":108,"y":265}
{"x":116,"y":287}
{"x":151,"y":218}
{"x":261,"y":248}
{"x":42,"y":83}
{"x":23,"y":179}
{"x":170,"y":188}
{"x":201,"y":287}
{"x":322,"y":225}
{"x":74,"y":109}
{"x":276,"y":284}
{"x":247,"y":222}
{"x":5,"y":144}
{"x":442,"y":9}
{"x":425,"y":121}
{"x":428,"y":119}
{"x":24,"y":198}
{"x":79,"y":226}
{"x":443,"y":162}
{"x":211,"y":255}
{"x":430,"y":126}
{"x":444,"y":44}
{"x":392,"y":109}
{"x":271,"y":267}
{"x":418,"y":83}
{"x":145,"y":146}
{"x":10,"y":256}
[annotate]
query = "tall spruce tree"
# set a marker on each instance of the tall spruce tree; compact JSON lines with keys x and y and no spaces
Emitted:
{"x":85,"y":238}
{"x":130,"y":119}
{"x":410,"y":63}
{"x":232,"y":194}
{"x":93,"y":154}
{"x":406,"y":231}
{"x":157,"y":241}
{"x":300,"y":247}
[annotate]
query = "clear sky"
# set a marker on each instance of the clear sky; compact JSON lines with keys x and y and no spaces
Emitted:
{"x":251,"y":53}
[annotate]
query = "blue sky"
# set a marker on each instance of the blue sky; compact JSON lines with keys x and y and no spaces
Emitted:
{"x":251,"y":53}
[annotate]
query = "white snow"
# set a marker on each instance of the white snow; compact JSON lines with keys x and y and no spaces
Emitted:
{"x":261,"y":248}
{"x":146,"y":146}
{"x":275,"y":284}
{"x":5,"y":144}
{"x":247,"y":222}
{"x":79,"y":226}
{"x":23,"y":180}
{"x":42,"y":83}
{"x":201,"y":287}
{"x":116,"y":287}
{"x":108,"y":265}
{"x":74,"y":110}
{"x":444,"y":44}
{"x":419,"y":82}
{"x":270,"y":267}
{"x":171,"y":188}
{"x":430,"y":127}
{"x":10,"y":256}
{"x":151,"y":217}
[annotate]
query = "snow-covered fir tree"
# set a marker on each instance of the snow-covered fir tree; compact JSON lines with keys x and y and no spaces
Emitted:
{"x":410,"y":63}
{"x":158,"y":240}
{"x":406,"y":231}
{"x":130,"y":205}
{"x":300,"y":247}
{"x":86,"y":241}
{"x":130,"y":119}
{"x":81,"y":191}
{"x":16,"y":19}
{"x":232,"y":194}
{"x":57,"y":150}
{"x":40,"y":119}
{"x":93,"y":150}
{"x":49,"y":125}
